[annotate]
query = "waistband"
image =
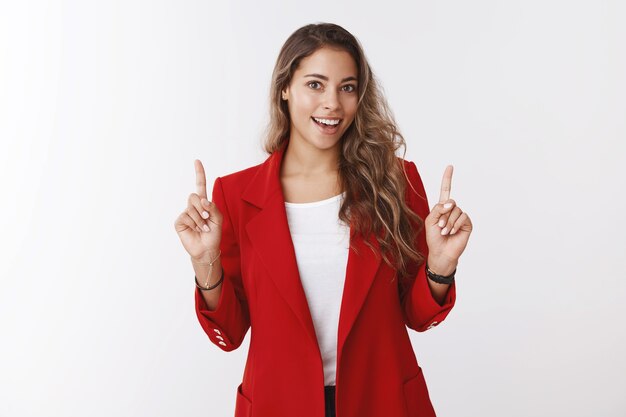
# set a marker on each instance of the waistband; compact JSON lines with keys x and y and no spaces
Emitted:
{"x":329,"y":399}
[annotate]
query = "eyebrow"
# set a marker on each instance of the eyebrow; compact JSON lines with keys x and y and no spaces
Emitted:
{"x":325,"y":78}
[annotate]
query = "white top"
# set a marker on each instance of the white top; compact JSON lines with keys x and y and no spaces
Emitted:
{"x":321,"y":242}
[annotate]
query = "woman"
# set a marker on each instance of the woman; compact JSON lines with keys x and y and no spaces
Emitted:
{"x":321,"y":248}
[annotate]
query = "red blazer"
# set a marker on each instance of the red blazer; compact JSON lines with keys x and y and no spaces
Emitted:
{"x":377,"y":372}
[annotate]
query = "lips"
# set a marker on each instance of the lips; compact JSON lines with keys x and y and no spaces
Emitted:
{"x":325,"y":129}
{"x":325,"y":125}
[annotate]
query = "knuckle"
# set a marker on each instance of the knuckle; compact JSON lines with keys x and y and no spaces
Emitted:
{"x":192,"y":213}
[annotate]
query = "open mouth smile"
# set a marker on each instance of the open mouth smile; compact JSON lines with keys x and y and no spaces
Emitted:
{"x":327,"y":126}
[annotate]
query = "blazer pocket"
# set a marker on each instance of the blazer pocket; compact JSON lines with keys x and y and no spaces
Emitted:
{"x":416,"y":397}
{"x":243,"y":406}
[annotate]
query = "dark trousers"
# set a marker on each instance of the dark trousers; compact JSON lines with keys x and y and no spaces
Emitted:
{"x":329,"y":394}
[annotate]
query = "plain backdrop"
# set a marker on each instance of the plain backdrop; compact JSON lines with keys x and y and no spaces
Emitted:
{"x":105,"y":105}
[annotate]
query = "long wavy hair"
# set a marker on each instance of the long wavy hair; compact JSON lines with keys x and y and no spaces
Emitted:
{"x":369,"y":170}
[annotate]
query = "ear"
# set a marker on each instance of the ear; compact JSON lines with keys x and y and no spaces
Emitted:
{"x":285,"y":94}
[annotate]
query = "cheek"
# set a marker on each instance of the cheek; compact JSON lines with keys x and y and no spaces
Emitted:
{"x":301,"y":111}
{"x":351,"y":114}
{"x":301,"y":98}
{"x":305,"y":103}
{"x":350,"y":105}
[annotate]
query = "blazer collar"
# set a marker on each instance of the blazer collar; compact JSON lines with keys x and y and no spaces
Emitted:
{"x":269,"y":234}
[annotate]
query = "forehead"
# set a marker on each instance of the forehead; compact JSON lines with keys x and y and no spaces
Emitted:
{"x":333,"y":63}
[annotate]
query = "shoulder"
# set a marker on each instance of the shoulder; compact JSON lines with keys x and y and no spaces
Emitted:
{"x":232,"y":184}
{"x":406,"y":163}
{"x":228,"y":189}
{"x":409,"y":168}
{"x":240,"y":177}
{"x":415,"y":191}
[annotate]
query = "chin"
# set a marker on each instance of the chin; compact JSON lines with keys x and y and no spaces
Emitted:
{"x":323,"y":143}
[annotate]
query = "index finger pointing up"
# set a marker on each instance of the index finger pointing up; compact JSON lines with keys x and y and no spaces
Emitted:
{"x":200,"y":179}
{"x":446,"y":184}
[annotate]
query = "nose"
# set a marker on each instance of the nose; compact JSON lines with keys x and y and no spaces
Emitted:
{"x":331,"y":100}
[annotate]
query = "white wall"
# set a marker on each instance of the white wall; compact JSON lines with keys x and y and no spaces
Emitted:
{"x":105,"y":105}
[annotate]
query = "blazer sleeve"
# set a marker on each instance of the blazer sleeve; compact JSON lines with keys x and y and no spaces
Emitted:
{"x":420,"y":310}
{"x":228,"y":324}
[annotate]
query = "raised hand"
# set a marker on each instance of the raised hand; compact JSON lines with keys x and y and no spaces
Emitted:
{"x":199,"y":227}
{"x":447,"y":229}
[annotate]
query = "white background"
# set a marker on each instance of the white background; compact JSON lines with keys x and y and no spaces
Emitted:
{"x":105,"y":105}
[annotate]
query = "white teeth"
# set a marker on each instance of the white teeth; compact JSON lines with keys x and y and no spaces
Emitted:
{"x":328,"y":121}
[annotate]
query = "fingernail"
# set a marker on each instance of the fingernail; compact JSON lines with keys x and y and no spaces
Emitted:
{"x":452,"y":231}
{"x":442,"y":222}
{"x":444,"y":231}
{"x":205,"y":214}
{"x":206,"y":228}
{"x":447,"y":205}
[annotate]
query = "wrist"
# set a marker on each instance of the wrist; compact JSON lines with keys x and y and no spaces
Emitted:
{"x":441,"y":266}
{"x":207,"y":256}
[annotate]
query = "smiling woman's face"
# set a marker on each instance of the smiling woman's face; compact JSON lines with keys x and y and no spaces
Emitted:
{"x":324,"y":87}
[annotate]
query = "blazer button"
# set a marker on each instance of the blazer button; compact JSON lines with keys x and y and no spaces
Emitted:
{"x":433,"y":324}
{"x":217,"y":331}
{"x":220,"y":337}
{"x":222,"y":343}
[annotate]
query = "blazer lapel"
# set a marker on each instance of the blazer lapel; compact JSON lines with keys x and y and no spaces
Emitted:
{"x":269,"y":234}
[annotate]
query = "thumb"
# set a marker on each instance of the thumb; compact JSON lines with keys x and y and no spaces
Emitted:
{"x":211,"y":207}
{"x":438,"y":211}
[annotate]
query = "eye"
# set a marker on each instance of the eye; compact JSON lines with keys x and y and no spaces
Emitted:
{"x":352,"y":86}
{"x":313,"y":82}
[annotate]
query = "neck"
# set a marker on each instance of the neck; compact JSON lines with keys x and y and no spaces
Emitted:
{"x":303,"y":159}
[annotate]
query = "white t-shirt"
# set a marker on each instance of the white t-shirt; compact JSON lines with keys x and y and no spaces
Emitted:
{"x":321,"y":242}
